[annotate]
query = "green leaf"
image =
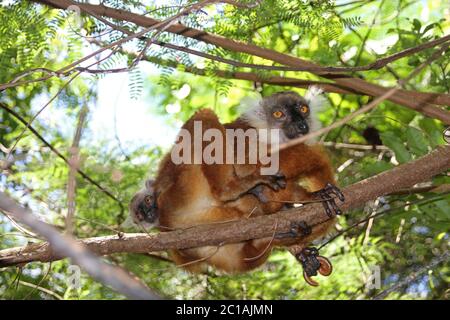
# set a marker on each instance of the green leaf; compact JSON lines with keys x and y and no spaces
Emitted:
{"x":377,"y":167}
{"x":417,"y":25}
{"x":416,"y":141}
{"x":396,"y":144}
{"x":429,"y":27}
{"x":441,"y":235}
{"x":413,"y":61}
{"x":433,"y":130}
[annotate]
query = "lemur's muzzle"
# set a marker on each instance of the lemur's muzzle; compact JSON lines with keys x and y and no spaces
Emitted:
{"x":296,"y":129}
{"x":302,"y":127}
{"x":149,"y":209}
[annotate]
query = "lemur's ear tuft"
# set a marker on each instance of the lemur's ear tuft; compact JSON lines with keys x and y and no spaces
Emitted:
{"x":149,"y":184}
{"x":315,"y":98}
{"x":252,"y":111}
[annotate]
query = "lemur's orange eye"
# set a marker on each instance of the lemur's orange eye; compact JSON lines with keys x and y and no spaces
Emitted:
{"x":278,"y":114}
{"x":304,"y":108}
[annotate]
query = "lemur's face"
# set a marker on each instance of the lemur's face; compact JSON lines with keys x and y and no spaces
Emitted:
{"x":143,"y":207}
{"x":288,"y":112}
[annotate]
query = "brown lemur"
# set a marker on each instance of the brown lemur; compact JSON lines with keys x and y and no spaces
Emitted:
{"x":186,"y":194}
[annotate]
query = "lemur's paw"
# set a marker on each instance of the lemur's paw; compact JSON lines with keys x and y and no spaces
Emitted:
{"x":258,"y":192}
{"x":298,"y":229}
{"x":277,"y":181}
{"x":328,"y":195}
{"x":312,"y":264}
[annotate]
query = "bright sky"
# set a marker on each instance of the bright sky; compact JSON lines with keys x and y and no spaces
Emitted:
{"x":135,"y":122}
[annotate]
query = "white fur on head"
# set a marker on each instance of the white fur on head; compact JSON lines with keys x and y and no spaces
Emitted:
{"x":252,"y":111}
{"x":316,"y":101}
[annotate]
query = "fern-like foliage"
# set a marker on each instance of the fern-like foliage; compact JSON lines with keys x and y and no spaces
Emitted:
{"x":24,"y":34}
{"x":135,"y":83}
{"x":355,"y":21}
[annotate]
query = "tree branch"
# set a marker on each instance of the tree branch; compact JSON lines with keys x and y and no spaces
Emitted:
{"x":403,"y":176}
{"x":372,"y":104}
{"x":358,"y":85}
{"x":64,"y":245}
{"x":74,"y":165}
{"x":437,"y":98}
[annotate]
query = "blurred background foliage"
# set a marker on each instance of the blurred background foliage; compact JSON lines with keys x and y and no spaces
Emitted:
{"x":414,"y":230}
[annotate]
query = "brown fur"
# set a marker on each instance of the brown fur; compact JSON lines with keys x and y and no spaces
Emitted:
{"x":194,"y":194}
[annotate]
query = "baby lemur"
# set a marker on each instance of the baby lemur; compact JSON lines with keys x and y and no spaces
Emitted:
{"x":186,"y":194}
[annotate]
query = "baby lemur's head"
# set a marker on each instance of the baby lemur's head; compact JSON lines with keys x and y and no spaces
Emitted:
{"x":143,"y":207}
{"x":287,"y":111}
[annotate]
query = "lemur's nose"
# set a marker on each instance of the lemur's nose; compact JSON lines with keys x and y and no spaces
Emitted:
{"x":302,"y":127}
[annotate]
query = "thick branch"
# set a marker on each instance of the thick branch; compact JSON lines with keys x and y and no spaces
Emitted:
{"x":68,"y":246}
{"x":358,"y":85}
{"x":437,"y":98}
{"x":356,"y":195}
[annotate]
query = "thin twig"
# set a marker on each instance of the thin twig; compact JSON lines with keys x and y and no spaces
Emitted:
{"x":354,"y":146}
{"x":413,"y":276}
{"x":74,"y":165}
{"x":11,"y":150}
{"x":60,"y":155}
{"x":37,"y":287}
{"x":380,"y":213}
{"x":268,"y":247}
{"x":437,"y":54}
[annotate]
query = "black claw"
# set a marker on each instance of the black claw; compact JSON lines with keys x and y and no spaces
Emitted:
{"x":334,"y":207}
{"x":281,"y":180}
{"x":329,"y":203}
{"x":298,"y":229}
{"x":336,"y":191}
{"x":326,"y":205}
{"x":308,"y":258}
{"x":277,"y":181}
{"x":304,"y":228}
